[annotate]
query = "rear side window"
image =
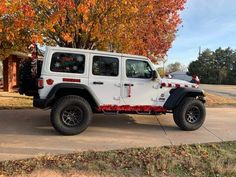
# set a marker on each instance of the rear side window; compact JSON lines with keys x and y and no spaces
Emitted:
{"x":67,"y":63}
{"x":105,"y":66}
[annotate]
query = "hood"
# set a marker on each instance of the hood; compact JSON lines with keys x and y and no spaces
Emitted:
{"x":165,"y":82}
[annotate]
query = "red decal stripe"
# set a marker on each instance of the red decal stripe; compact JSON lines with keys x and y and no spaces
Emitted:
{"x":177,"y":85}
{"x":70,"y":80}
{"x":127,"y":108}
{"x":163,"y":84}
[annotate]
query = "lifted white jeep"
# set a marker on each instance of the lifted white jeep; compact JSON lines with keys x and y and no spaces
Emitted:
{"x":77,"y":83}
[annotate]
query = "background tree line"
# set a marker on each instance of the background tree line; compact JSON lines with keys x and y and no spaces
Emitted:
{"x":215,"y":67}
{"x":170,"y":68}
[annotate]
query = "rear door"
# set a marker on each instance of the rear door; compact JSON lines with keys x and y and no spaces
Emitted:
{"x":64,"y":66}
{"x":105,"y":78}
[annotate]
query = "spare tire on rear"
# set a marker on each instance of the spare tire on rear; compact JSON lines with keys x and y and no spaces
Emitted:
{"x":27,"y":82}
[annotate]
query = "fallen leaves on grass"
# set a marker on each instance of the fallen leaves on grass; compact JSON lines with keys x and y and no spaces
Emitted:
{"x":217,"y":159}
{"x":215,"y":100}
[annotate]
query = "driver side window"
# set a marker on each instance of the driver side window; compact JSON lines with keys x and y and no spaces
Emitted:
{"x":138,"y":69}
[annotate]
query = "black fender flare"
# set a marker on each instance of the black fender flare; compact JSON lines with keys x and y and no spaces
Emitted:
{"x":52,"y":94}
{"x":178,"y":94}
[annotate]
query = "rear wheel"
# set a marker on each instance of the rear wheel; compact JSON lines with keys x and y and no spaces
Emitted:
{"x":71,"y":115}
{"x":190,"y":114}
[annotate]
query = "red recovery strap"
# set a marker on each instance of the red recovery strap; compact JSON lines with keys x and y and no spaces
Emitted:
{"x":129,"y":91}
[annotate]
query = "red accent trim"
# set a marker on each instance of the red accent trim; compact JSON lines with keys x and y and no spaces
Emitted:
{"x":177,"y":85}
{"x":128,"y":108}
{"x":71,"y":80}
{"x":50,"y":81}
{"x":163,"y":84}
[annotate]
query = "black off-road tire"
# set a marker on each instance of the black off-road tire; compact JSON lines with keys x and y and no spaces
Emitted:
{"x":182,"y":114}
{"x":175,"y":117}
{"x":70,"y":110}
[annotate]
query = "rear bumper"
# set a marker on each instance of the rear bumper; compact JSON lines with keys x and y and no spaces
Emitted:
{"x":40,"y":103}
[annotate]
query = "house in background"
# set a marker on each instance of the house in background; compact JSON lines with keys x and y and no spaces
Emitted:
{"x":10,"y":67}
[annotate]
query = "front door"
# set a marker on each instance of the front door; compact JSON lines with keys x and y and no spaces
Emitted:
{"x":105,"y":78}
{"x":138,"y":88}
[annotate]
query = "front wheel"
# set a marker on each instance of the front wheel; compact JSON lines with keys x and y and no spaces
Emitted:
{"x":71,"y":115}
{"x":190,"y":114}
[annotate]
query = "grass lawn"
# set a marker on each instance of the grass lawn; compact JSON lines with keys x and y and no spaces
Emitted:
{"x":214,"y":159}
{"x":15,"y":101}
{"x":216,"y":100}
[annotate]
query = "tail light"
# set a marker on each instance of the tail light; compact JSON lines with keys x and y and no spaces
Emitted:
{"x":40,"y":83}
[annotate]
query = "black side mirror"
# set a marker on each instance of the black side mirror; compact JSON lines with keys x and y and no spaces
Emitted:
{"x":154,"y":75}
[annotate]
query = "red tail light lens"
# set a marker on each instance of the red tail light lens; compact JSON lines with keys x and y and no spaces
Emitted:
{"x":40,"y":83}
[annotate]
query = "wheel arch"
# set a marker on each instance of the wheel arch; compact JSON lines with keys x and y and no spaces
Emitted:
{"x":65,"y":89}
{"x":178,"y":94}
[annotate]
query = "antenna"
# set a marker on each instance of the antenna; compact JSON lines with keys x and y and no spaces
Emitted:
{"x":200,"y":51}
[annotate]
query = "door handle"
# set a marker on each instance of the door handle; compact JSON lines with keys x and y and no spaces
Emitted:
{"x":127,"y":85}
{"x":98,"y":83}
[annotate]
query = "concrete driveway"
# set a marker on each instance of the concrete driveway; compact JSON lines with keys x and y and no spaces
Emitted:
{"x":28,"y":133}
{"x":223,"y":90}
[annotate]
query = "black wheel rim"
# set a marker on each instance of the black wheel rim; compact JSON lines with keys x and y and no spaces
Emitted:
{"x":193,"y":115}
{"x":72,"y":116}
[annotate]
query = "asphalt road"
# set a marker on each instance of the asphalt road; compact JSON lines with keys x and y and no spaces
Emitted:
{"x":223,"y":90}
{"x":28,"y":133}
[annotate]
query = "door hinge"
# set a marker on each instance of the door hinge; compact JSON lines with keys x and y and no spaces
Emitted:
{"x":156,"y":86}
{"x":154,"y":99}
{"x":118,"y":84}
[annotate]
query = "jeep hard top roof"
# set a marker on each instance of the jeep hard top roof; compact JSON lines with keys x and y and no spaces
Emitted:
{"x":65,"y":49}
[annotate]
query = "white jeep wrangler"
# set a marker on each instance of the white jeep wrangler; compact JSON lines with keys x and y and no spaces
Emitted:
{"x":77,"y":83}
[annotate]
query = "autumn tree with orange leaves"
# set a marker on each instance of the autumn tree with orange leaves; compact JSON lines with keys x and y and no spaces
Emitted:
{"x":129,"y":26}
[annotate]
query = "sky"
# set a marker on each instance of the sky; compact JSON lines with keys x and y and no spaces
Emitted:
{"x":206,"y":24}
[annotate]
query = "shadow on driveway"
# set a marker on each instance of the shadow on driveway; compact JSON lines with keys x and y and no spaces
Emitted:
{"x":37,"y":122}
